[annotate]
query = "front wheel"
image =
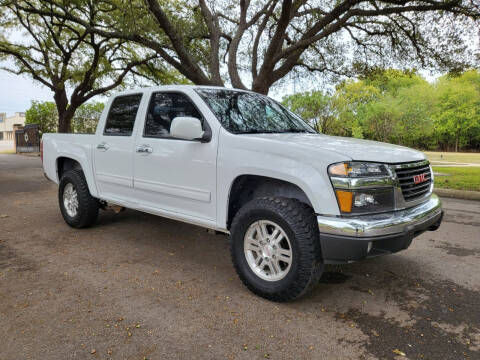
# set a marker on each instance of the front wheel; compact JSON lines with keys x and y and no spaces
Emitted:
{"x":79,"y":208}
{"x":275,"y":248}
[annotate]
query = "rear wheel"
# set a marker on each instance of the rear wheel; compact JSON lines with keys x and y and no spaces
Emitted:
{"x":78,"y":207}
{"x":275,"y":248}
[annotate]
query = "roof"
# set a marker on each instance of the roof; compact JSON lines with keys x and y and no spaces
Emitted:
{"x":173,"y":88}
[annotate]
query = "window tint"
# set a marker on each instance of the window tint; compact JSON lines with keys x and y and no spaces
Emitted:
{"x":121,"y":116}
{"x":246,"y":112}
{"x":163,"y":108}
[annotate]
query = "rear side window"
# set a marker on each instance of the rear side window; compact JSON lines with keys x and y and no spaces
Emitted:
{"x":122,"y":114}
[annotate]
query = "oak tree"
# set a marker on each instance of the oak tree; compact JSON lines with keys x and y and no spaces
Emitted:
{"x":255,"y":44}
{"x":74,"y":62}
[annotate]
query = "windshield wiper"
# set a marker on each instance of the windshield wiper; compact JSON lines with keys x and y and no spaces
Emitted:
{"x":257,"y":131}
{"x":297,"y":131}
{"x":294,"y":130}
{"x":280,"y":131}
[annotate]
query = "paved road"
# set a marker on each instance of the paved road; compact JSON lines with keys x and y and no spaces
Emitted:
{"x":137,"y":286}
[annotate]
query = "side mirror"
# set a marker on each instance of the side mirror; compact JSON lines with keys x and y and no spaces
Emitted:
{"x":187,"y":128}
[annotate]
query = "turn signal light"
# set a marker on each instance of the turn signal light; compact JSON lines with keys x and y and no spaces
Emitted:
{"x":341,"y":169}
{"x":345,"y":200}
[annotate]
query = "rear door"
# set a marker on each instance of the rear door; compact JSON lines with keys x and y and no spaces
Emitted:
{"x":114,"y":148}
{"x":174,"y":176}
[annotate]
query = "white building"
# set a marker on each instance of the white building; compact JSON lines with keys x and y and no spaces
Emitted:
{"x":7,"y":123}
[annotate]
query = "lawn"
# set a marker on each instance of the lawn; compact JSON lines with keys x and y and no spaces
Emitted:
{"x":460,"y":178}
{"x":438,"y":157}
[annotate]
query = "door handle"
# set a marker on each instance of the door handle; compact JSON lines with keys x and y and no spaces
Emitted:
{"x":144,"y":149}
{"x":103,"y":146}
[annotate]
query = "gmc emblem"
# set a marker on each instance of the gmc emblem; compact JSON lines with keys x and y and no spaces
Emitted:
{"x":417,"y":179}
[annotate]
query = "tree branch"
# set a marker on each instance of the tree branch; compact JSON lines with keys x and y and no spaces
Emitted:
{"x":214,"y":35}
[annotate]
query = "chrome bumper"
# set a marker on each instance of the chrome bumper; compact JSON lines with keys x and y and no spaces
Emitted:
{"x":381,"y":224}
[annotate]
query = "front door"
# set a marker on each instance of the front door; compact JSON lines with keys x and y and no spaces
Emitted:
{"x":114,"y":148}
{"x":172,"y":175}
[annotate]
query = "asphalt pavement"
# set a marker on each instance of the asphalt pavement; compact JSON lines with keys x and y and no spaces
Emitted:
{"x":136,"y":286}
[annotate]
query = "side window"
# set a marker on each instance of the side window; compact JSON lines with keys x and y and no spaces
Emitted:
{"x":121,"y":116}
{"x":163,"y":108}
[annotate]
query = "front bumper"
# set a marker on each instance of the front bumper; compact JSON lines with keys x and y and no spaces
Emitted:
{"x":346,"y":239}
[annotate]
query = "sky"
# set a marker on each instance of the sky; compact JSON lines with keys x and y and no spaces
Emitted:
{"x":17,"y":92}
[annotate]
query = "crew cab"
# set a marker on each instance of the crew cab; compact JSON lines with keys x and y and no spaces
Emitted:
{"x":291,"y":199}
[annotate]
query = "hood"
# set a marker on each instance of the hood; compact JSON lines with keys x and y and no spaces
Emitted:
{"x":355,"y":149}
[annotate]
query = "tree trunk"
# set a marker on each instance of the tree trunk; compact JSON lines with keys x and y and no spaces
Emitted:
{"x":261,"y":85}
{"x":65,"y":122}
{"x":64,"y":116}
{"x":456,"y":143}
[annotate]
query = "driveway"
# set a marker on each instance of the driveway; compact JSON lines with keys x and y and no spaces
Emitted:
{"x":136,"y":286}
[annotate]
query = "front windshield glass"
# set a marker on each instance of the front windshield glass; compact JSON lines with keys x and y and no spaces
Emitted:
{"x":246,"y":113}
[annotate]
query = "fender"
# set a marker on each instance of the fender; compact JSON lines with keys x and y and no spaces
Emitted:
{"x":270,"y":156}
{"x":81,"y":154}
{"x":85,"y":168}
{"x":319,"y":193}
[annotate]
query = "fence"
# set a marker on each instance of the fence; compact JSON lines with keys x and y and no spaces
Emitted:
{"x":27,"y":139}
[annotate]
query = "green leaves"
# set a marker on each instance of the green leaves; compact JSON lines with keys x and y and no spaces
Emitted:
{"x":45,"y":114}
{"x":399,"y":107}
{"x":402,"y":107}
{"x":59,"y":49}
{"x":86,"y":117}
{"x":457,"y":118}
{"x":316,"y":107}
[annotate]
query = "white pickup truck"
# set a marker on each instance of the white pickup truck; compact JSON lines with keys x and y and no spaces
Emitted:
{"x":238,"y":162}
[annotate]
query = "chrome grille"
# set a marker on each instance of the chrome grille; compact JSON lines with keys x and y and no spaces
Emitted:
{"x":406,"y":174}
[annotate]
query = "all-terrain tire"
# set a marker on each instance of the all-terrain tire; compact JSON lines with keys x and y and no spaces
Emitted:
{"x":298,"y":222}
{"x":87,"y":211}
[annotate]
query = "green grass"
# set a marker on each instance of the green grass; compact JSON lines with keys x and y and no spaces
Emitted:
{"x":461,"y":178}
{"x":472,"y":158}
{"x":12,"y":151}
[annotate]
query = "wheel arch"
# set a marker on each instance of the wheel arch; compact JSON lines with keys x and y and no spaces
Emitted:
{"x":66,"y":163}
{"x":248,"y":186}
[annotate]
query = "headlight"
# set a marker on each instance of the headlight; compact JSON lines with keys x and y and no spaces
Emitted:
{"x":357,"y":169}
{"x":362,"y":188}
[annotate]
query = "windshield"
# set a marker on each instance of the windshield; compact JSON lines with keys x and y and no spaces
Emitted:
{"x":246,"y":113}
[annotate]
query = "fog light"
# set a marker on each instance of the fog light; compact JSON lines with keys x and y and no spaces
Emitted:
{"x":369,"y":247}
{"x":364,"y":201}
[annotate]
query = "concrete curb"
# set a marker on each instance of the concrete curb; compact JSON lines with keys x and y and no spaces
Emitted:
{"x":31,"y":154}
{"x":458,"y":194}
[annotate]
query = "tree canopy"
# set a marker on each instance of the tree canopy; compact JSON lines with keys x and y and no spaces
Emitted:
{"x":400,"y":107}
{"x":74,"y":62}
{"x":255,"y":44}
{"x":83,"y":48}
